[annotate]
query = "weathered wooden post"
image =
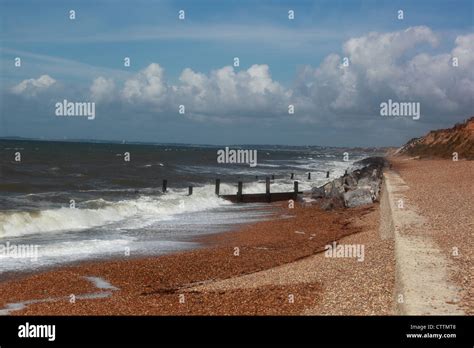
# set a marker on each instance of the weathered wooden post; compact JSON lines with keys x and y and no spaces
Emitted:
{"x":218,"y":186}
{"x":309,"y":176}
{"x":295,"y":188}
{"x":267,"y":189}
{"x":165,"y":183}
{"x":345,"y":173}
{"x":190,"y":190}
{"x":273,"y":176}
{"x":239,"y":192}
{"x":292,"y":176}
{"x":327,"y":174}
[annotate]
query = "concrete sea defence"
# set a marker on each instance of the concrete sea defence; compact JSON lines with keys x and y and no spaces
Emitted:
{"x":421,"y":282}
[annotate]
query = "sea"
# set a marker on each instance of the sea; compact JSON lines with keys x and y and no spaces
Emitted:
{"x":75,"y":201}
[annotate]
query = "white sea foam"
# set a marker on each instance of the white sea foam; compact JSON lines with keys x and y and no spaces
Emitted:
{"x":145,"y":209}
{"x":153,"y":208}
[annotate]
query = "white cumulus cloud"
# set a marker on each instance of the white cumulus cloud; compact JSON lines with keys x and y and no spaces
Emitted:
{"x":226,"y":92}
{"x":390,"y":65}
{"x":402,"y":65}
{"x":102,"y":89}
{"x":221,"y":93}
{"x":148,"y":85}
{"x":31,"y":87}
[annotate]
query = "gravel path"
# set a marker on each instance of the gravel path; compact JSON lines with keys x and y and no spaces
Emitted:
{"x":443,"y":192}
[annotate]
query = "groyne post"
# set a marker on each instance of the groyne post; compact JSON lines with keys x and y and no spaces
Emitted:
{"x":267,"y":189}
{"x":165,"y":184}
{"x":239,"y":191}
{"x":218,"y":186}
{"x":190,"y":190}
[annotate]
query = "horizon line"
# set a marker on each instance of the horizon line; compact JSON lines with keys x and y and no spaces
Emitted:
{"x":124,"y":142}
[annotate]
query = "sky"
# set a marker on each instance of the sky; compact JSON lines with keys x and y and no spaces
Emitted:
{"x":189,"y":62}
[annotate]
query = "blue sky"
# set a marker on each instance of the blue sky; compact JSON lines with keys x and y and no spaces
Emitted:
{"x":289,"y":59}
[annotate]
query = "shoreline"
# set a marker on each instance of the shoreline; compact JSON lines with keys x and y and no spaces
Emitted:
{"x":200,"y":241}
{"x":141,"y":282}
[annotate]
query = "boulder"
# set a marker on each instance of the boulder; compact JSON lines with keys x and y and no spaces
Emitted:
{"x":375,"y":189}
{"x":356,"y":174}
{"x":318,"y":192}
{"x":332,"y":203}
{"x":358,"y":187}
{"x":350,"y":181}
{"x":364,"y":183}
{"x":371,"y":184}
{"x":359,"y":196}
{"x":378,"y":162}
{"x":337,"y":187}
{"x":328,"y":188}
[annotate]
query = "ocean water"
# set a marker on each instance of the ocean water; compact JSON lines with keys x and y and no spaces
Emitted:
{"x":120,"y":210}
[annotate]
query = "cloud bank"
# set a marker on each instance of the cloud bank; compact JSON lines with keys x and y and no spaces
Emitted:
{"x":396,"y":65}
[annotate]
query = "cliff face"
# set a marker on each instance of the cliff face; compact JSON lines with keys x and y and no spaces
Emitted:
{"x":443,"y":142}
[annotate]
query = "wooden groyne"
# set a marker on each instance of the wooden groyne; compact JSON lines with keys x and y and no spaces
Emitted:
{"x":261,"y":197}
{"x":241,"y":197}
{"x":266,"y":197}
{"x":344,"y":191}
